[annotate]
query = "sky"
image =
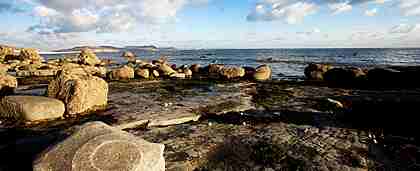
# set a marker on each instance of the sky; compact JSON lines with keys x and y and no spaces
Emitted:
{"x":211,"y":24}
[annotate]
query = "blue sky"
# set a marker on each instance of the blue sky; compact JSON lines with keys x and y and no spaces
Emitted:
{"x":191,"y":24}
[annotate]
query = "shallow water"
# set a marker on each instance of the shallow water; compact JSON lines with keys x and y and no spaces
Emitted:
{"x":286,"y":63}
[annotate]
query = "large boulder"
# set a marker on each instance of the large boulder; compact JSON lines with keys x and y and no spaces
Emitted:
{"x":8,"y":84}
{"x":80,"y":93}
{"x":31,"y":108}
{"x":316,"y":71}
{"x":96,"y":146}
{"x":123,"y":73}
{"x":30,"y":55}
{"x":232,"y":72}
{"x":262,"y":73}
{"x":88,"y":57}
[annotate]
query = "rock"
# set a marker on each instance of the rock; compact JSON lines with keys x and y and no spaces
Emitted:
{"x":88,"y":57}
{"x":262,"y":73}
{"x":123,"y":73}
{"x":249,"y":72}
{"x":214,"y":70}
{"x":37,"y":73}
{"x":31,"y":108}
{"x":166,"y":70}
{"x":8,"y":84}
{"x":344,"y":76}
{"x":131,"y":57}
{"x":30,"y":67}
{"x":29,"y":54}
{"x":161,"y":60}
{"x":187,"y":72}
{"x":195,"y":68}
{"x":5,"y":52}
{"x":316,"y":71}
{"x":84,"y":69}
{"x":155,"y":73}
{"x":232,"y":73}
{"x":96,"y":146}
{"x":4,"y":68}
{"x":178,"y":75}
{"x":143,"y":73}
{"x":80,"y":93}
{"x":385,"y":77}
{"x":331,"y":105}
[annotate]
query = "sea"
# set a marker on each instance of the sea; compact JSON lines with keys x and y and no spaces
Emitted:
{"x":287,"y":64}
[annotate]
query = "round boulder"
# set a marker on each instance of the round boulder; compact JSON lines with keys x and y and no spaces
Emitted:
{"x":232,"y":73}
{"x":262,"y":73}
{"x":123,"y":73}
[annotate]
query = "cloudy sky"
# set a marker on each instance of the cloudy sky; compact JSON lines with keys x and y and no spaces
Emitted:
{"x":191,"y":24}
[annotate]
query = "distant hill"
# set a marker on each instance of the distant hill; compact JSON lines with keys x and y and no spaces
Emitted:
{"x":149,"y":48}
{"x":116,"y":49}
{"x":94,"y":48}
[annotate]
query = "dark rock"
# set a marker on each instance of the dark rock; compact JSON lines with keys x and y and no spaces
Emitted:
{"x":316,"y":71}
{"x":344,"y":76}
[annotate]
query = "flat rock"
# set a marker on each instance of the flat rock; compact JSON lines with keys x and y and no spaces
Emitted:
{"x":37,"y":73}
{"x":156,"y":104}
{"x":31,"y":108}
{"x":97,"y":146}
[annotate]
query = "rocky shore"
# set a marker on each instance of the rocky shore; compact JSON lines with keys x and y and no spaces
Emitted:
{"x":152,"y":115}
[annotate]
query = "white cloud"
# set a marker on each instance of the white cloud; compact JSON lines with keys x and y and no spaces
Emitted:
{"x":410,"y":7}
{"x":65,"y":16}
{"x":402,"y":29}
{"x":294,"y":11}
{"x":291,"y":11}
{"x":371,"y":12}
{"x":340,"y":7}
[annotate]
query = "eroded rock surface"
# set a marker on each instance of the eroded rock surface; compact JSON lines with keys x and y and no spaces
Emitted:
{"x":31,"y":108}
{"x":80,"y":93}
{"x":97,"y":146}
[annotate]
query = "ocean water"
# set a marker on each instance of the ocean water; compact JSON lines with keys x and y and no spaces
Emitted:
{"x":286,"y":63}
